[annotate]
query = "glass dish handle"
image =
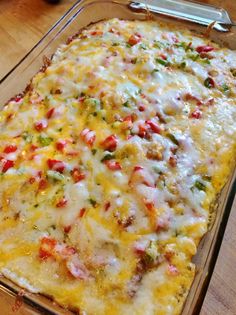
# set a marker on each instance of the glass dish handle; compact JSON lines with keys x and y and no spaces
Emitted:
{"x":190,"y":11}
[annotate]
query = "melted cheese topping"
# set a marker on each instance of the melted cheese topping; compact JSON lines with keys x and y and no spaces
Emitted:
{"x":109,"y":164}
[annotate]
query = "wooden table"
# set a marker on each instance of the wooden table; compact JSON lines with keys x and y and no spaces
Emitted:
{"x":22,"y":24}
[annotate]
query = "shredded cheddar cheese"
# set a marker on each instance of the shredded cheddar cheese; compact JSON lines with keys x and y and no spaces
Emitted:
{"x":109,"y":164}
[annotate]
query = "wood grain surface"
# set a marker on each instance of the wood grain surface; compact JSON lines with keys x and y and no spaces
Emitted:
{"x":22,"y":24}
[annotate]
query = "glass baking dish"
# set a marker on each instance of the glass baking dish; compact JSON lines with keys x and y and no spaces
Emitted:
{"x":84,"y":12}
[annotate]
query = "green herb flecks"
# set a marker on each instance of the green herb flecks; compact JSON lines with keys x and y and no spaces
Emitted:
{"x":44,"y":141}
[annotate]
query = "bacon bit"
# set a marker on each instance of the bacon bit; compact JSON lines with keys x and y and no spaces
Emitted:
{"x":32,"y":180}
{"x":141,"y":108}
{"x":88,"y":136}
{"x":50,"y":113}
{"x":10,"y":148}
{"x":82,"y":212}
{"x":137,"y":168}
{"x":62,"y":203}
{"x":46,"y":248}
{"x":204,"y":49}
{"x":107,"y":205}
{"x":77,"y":175}
{"x":173,"y":161}
{"x":56,"y":165}
{"x":77,"y":269}
{"x":60,"y":145}
{"x":154,"y":126}
{"x":134,"y":39}
{"x":190,"y":97}
{"x":110,"y":143}
{"x":39,"y":126}
{"x":42,"y":184}
{"x":113,"y":165}
{"x":210,"y":102}
{"x":172,"y":270}
{"x":67,"y":229}
{"x":197,"y":114}
{"x":6,"y":165}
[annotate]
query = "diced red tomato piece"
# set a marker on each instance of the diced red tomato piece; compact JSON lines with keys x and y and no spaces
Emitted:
{"x":113,"y":165}
{"x":42,"y":184}
{"x":154,"y":126}
{"x":98,"y":32}
{"x":50,"y":113}
{"x":62,"y":203}
{"x":40,"y":125}
{"x":77,"y":175}
{"x":47,"y":247}
{"x":60,"y":145}
{"x":67,"y":229}
{"x":82,"y":212}
{"x":197,"y":114}
{"x":6,"y":165}
{"x":10,"y":148}
{"x":150,"y":206}
{"x":56,"y":165}
{"x":134,"y":39}
{"x":88,"y":136}
{"x":204,"y":49}
{"x":110,"y":143}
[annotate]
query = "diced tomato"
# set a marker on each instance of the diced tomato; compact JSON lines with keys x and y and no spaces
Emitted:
{"x":164,"y":57}
{"x":107,"y":205}
{"x":154,"y":126}
{"x":77,"y":175}
{"x":204,"y":48}
{"x":56,"y":165}
{"x":134,"y":39}
{"x":113,"y":165}
{"x":110,"y":143}
{"x":50,"y":113}
{"x":88,"y":136}
{"x":67,"y":229}
{"x":140,"y":248}
{"x":10,"y":148}
{"x":62,"y":203}
{"x":60,"y":145}
{"x":42,"y":184}
{"x":6,"y":165}
{"x":197,"y":114}
{"x":47,"y":247}
{"x":82,"y":212}
{"x":40,"y":125}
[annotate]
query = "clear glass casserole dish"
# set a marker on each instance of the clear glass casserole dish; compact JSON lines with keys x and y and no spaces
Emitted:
{"x":80,"y":15}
